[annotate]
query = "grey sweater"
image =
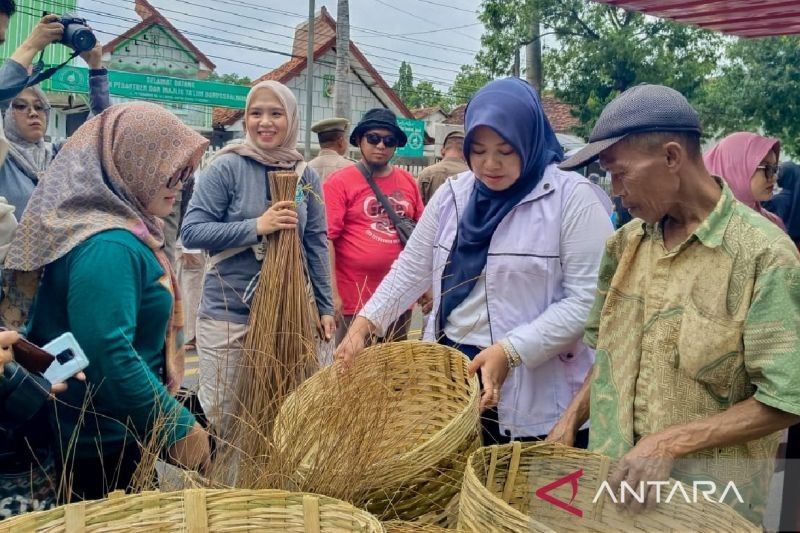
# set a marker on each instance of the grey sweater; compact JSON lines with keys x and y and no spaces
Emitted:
{"x":15,"y":185}
{"x":229,"y":195}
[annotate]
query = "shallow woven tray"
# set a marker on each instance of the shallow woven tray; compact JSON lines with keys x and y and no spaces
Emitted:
{"x":431,"y":428}
{"x":200,"y":511}
{"x":499,"y":495}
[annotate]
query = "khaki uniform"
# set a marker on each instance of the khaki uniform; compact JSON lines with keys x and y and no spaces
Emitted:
{"x":432,"y":177}
{"x":327,"y":162}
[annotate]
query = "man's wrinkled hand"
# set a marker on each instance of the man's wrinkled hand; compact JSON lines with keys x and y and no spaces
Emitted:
{"x":564,"y":432}
{"x":649,"y":460}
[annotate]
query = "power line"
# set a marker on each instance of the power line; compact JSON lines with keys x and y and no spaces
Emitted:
{"x":422,"y":19}
{"x":215,"y":40}
{"x":238,"y":4}
{"x":305,"y":17}
{"x":262,"y":31}
{"x":202,"y":38}
{"x":421,"y":32}
{"x":447,"y":6}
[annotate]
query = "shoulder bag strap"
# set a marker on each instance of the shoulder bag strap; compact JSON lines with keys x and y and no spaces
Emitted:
{"x":393,"y":216}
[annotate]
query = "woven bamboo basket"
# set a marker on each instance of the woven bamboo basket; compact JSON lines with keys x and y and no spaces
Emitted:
{"x":200,"y":511}
{"x":422,"y":447}
{"x":499,"y":494}
{"x":398,"y":526}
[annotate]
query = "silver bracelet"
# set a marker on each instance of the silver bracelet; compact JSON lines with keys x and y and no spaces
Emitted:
{"x":512,"y":356}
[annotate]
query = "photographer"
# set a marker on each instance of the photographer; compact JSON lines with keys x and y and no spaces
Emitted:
{"x":27,"y":111}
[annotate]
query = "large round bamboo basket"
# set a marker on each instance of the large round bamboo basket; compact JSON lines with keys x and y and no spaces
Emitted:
{"x":500,"y":485}
{"x":200,"y":511}
{"x":411,"y":407}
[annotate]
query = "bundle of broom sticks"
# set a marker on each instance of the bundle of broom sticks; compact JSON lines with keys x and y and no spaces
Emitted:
{"x":279,"y":351}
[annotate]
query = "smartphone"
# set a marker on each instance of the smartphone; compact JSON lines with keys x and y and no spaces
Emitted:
{"x":69,"y":358}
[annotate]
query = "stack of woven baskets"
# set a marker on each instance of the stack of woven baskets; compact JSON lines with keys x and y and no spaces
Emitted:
{"x":428,"y":471}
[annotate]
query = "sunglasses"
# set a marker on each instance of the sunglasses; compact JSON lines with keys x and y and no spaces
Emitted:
{"x":179,"y":177}
{"x":389,"y":141}
{"x":770,"y":171}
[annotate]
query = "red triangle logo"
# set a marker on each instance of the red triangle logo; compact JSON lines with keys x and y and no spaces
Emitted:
{"x":572,"y":479}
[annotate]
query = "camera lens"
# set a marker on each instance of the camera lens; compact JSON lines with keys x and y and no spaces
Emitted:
{"x":82,"y":40}
{"x":65,"y":356}
{"x":77,"y":34}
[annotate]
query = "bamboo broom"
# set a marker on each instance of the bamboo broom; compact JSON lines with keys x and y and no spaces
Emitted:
{"x":279,"y":351}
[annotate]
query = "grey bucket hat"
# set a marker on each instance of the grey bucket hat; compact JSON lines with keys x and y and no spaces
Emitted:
{"x":641,"y":109}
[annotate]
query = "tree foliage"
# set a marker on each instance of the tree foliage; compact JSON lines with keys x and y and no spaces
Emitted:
{"x":404,"y":86}
{"x":756,"y":90}
{"x":467,"y":82}
{"x":604,"y":51}
{"x":233,"y":79}
{"x":423,"y":94}
{"x":601,"y":50}
{"x":507,"y":24}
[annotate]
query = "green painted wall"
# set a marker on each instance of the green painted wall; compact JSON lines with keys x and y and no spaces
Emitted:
{"x":154,"y":51}
{"x":25,"y":19}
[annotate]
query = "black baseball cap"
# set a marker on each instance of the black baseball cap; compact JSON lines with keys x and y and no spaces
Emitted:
{"x":641,"y":109}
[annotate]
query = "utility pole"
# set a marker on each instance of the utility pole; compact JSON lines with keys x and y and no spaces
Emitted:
{"x":533,"y":56}
{"x":341,"y":88}
{"x":309,"y":79}
{"x":515,"y":67}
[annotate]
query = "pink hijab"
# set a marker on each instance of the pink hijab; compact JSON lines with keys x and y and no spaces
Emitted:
{"x":735,"y":159}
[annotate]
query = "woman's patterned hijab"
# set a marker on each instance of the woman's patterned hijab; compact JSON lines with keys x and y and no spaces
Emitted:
{"x":103,"y":178}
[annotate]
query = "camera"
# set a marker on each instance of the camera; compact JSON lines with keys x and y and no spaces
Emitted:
{"x":77,"y":34}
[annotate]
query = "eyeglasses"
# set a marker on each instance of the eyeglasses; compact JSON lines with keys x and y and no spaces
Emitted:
{"x":24,"y":108}
{"x":179,"y":177}
{"x":389,"y":141}
{"x":770,"y":171}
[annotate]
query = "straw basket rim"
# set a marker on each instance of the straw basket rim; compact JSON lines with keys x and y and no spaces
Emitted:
{"x":195,"y":501}
{"x":435,"y":438}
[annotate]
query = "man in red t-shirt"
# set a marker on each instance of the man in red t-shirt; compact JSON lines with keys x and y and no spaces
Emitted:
{"x":363,"y":240}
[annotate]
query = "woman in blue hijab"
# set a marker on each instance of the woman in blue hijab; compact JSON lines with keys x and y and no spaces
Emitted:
{"x":511,"y":249}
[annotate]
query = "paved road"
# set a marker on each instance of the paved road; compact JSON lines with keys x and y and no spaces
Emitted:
{"x":190,"y":376}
